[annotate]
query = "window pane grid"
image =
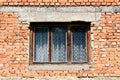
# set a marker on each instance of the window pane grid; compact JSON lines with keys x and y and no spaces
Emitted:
{"x":78,"y":45}
{"x":41,"y":45}
{"x":59,"y":45}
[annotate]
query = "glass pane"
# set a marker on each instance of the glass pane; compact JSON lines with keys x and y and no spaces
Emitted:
{"x":41,"y":45}
{"x":78,"y":45}
{"x":59,"y":45}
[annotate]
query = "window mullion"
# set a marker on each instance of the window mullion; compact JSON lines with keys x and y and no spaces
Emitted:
{"x":50,"y":44}
{"x":69,"y":45}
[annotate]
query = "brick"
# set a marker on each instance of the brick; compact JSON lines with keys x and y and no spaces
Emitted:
{"x":5,"y":3}
{"x":62,"y":0}
{"x":42,"y":4}
{"x":88,"y":3}
{"x":57,"y":4}
{"x":20,"y":3}
{"x":85,"y":1}
{"x":73,"y":4}
{"x":26,"y":3}
{"x":114,"y":4}
{"x":32,"y":1}
{"x":40,"y":1}
{"x":1,"y":65}
{"x":109,"y":4}
{"x":103,"y":3}
{"x":67,"y":3}
{"x":108,"y":0}
{"x":70,"y":1}
{"x":16,"y":0}
{"x":16,"y":3}
{"x":2,"y":1}
{"x":11,"y":3}
{"x":24,"y":0}
{"x":118,"y":31}
{"x":78,"y":0}
{"x":93,"y":3}
{"x":36,"y":4}
{"x":47,"y":0}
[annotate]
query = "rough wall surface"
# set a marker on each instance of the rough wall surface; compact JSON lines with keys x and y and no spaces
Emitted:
{"x":15,"y":18}
{"x":104,"y":55}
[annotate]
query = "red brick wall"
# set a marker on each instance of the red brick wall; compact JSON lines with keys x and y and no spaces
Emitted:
{"x":14,"y":43}
{"x":106,"y":54}
{"x":59,"y":2}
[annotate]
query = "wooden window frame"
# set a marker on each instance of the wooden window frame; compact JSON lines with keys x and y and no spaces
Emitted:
{"x":68,"y":26}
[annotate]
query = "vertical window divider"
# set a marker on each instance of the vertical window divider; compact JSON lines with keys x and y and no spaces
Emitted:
{"x":68,"y":45}
{"x":50,"y":44}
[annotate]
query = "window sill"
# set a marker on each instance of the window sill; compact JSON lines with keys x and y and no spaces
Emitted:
{"x":59,"y":67}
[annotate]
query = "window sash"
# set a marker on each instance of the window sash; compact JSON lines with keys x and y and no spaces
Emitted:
{"x":41,"y":45}
{"x":58,"y":45}
{"x":78,"y":45}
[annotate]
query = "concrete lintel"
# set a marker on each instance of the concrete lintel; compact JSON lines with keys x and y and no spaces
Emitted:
{"x":72,"y":9}
{"x":58,"y":16}
{"x":48,"y":14}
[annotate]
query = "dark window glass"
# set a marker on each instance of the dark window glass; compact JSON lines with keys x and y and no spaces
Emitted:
{"x":41,"y":45}
{"x":78,"y":45}
{"x":59,"y":45}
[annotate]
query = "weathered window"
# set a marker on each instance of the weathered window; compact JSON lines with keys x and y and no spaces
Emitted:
{"x":59,"y":43}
